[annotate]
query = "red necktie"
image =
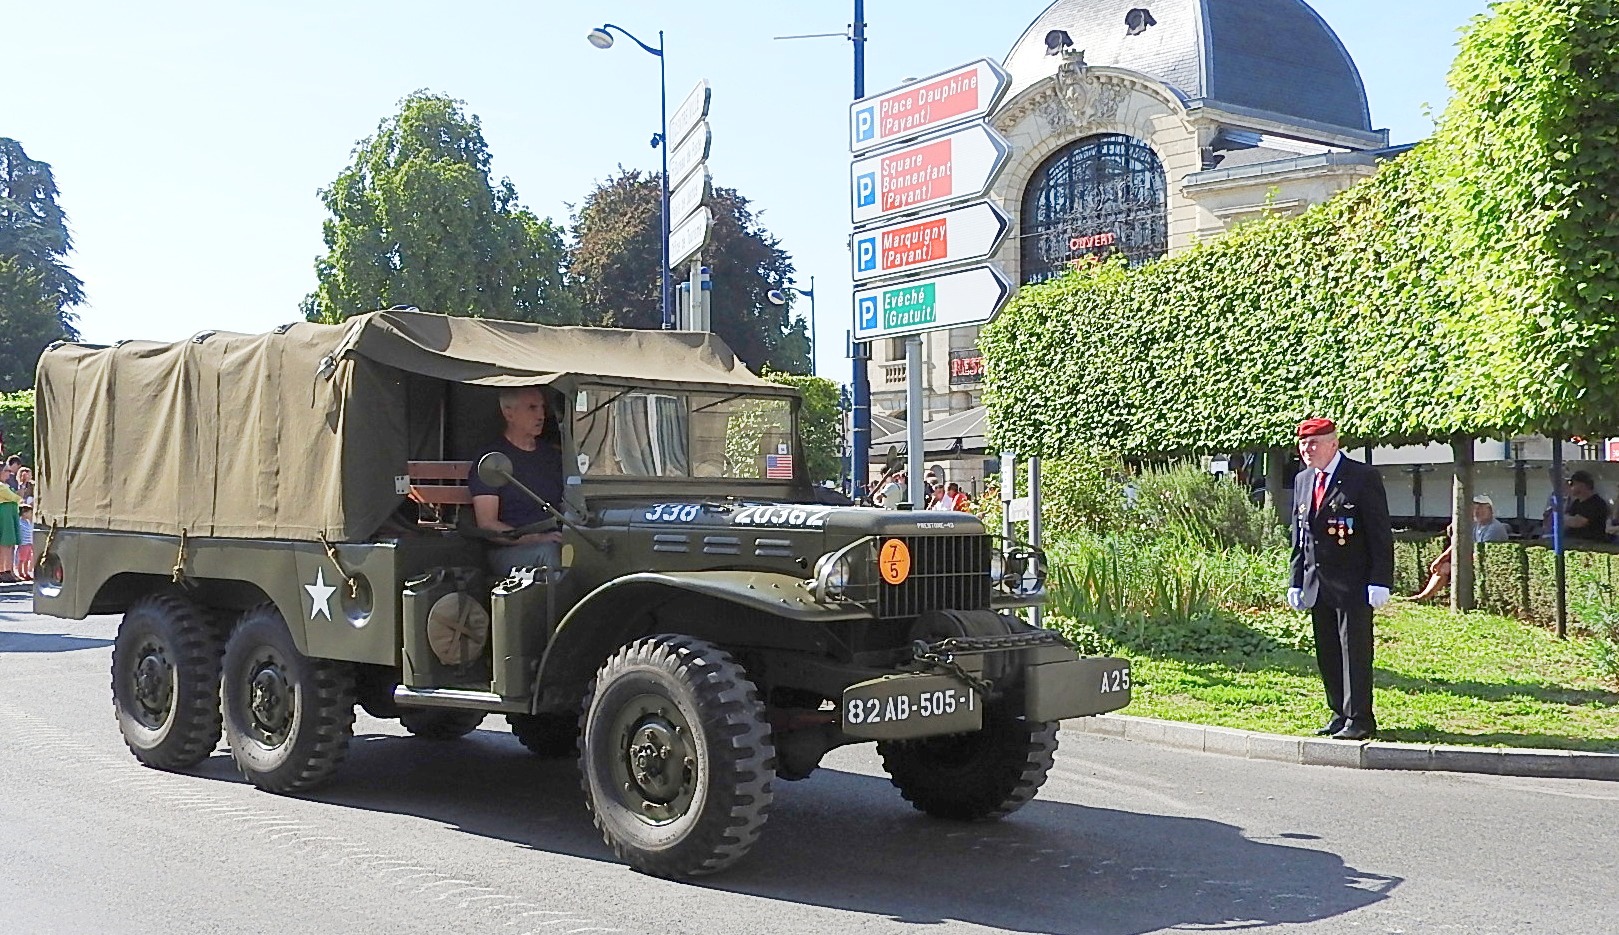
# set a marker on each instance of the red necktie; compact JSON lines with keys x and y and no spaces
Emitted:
{"x":1320,"y":491}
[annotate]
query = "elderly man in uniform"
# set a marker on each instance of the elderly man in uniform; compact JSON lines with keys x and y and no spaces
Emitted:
{"x":1343,"y":567}
{"x":537,"y":465}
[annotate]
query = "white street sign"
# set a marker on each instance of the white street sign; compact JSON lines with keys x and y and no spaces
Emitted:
{"x":691,"y":110}
{"x":958,"y":166}
{"x":689,"y":237}
{"x":960,"y":235}
{"x":688,"y":196}
{"x":970,"y":296}
{"x":964,"y":93}
{"x":686,"y":157}
{"x":1020,"y":510}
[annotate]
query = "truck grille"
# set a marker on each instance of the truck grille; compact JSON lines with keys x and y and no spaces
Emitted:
{"x":947,"y":573}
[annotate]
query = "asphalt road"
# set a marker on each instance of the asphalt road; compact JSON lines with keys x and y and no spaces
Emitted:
{"x":478,"y":836}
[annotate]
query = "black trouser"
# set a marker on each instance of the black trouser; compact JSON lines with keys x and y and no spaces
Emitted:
{"x":1343,"y":653}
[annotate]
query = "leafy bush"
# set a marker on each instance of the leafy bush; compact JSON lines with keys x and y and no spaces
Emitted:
{"x":1471,"y":281}
{"x":1166,"y":595}
{"x":1519,"y":579}
{"x":17,"y":423}
{"x":1188,"y":503}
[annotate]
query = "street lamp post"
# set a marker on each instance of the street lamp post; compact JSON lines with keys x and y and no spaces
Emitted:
{"x":779,"y":297}
{"x":602,"y":38}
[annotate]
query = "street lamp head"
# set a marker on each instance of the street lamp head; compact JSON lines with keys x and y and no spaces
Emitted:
{"x":600,"y":38}
{"x":776,"y":297}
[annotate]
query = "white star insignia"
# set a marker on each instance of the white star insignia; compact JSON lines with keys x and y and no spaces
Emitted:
{"x":320,"y":596}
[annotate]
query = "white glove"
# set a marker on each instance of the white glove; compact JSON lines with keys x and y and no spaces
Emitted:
{"x":1295,"y":598}
{"x":1376,"y":595}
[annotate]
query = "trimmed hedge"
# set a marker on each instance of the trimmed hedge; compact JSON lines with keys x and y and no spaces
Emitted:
{"x":1517,"y":579}
{"x":1470,"y":287}
{"x":17,"y":424}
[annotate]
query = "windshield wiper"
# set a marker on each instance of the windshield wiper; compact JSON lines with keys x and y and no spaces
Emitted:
{"x":606,"y":402}
{"x":722,"y":399}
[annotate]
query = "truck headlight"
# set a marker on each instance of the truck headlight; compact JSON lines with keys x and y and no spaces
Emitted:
{"x":832,"y":574}
{"x":997,"y":566}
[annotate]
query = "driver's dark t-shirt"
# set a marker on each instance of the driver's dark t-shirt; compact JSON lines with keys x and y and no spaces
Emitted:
{"x":539,"y":470}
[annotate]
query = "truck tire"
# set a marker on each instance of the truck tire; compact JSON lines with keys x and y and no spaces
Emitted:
{"x":675,"y":758}
{"x":440,"y":723}
{"x":548,"y":735}
{"x":288,"y":717}
{"x":165,"y":681}
{"x":973,"y":777}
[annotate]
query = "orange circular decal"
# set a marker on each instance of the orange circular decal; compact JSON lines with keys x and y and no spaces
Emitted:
{"x":894,"y":561}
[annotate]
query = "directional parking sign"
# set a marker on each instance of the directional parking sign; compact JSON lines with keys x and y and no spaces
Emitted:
{"x":970,"y":296}
{"x":917,"y":107}
{"x":957,"y":166}
{"x":971,"y":232}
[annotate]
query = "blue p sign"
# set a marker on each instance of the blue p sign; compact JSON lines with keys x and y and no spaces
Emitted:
{"x":865,"y":254}
{"x":865,"y":190}
{"x":865,"y":124}
{"x":866,"y":311}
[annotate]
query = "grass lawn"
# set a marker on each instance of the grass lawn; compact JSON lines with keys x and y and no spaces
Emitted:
{"x":1439,"y":678}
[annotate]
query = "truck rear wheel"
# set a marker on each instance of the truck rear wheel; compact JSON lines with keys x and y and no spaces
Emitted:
{"x":676,"y":759}
{"x":165,"y":681}
{"x":288,"y":717}
{"x":547,"y":735}
{"x":440,"y":723}
{"x":987,"y":774}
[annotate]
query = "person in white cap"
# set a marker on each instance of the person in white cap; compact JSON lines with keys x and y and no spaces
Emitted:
{"x":1486,"y":528}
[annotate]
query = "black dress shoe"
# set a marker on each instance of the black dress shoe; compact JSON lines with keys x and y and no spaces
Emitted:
{"x":1333,"y":727}
{"x":1353,"y":733}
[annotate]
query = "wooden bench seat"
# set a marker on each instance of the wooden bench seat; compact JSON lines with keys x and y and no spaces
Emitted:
{"x":440,"y":483}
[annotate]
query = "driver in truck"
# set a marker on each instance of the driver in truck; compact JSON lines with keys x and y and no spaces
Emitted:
{"x":537,"y":464}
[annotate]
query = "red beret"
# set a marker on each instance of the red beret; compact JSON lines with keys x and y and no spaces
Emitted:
{"x":1310,"y":428}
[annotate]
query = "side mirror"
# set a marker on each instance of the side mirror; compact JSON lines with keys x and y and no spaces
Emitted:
{"x":495,"y":469}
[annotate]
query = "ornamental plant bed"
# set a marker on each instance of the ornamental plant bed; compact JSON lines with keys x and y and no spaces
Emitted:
{"x":1440,"y":677}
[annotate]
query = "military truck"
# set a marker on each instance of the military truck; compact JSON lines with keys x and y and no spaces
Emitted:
{"x":284,"y":522}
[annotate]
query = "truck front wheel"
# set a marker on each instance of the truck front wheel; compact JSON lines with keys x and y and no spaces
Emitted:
{"x":676,"y":758}
{"x":288,"y":717}
{"x":970,"y":777}
{"x":165,"y":681}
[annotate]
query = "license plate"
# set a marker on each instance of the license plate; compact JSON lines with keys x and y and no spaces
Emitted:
{"x":898,"y":707}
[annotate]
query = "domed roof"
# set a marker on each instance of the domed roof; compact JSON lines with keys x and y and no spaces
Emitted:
{"x":1276,"y":56}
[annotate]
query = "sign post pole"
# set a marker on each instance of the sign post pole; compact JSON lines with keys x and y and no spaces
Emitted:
{"x":913,"y":420}
{"x":860,"y":388}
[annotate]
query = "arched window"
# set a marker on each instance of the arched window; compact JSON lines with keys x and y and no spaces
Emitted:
{"x":1099,"y":196}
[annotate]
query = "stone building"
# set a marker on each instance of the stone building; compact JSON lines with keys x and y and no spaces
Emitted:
{"x":1142,"y":127}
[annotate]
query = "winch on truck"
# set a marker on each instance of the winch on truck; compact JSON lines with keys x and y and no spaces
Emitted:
{"x":287,"y":523}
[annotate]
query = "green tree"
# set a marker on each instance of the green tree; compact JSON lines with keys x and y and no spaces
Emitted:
{"x":616,"y":252}
{"x":820,"y":420}
{"x":417,"y":220}
{"x":30,"y":319}
{"x":37,"y":289}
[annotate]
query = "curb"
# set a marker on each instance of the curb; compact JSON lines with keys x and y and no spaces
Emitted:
{"x":21,"y":587}
{"x":1352,"y":754}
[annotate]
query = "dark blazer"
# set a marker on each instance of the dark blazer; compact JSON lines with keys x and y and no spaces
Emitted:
{"x":1346,"y":545}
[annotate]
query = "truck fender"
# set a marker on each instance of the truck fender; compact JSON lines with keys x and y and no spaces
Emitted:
{"x":625,"y":609}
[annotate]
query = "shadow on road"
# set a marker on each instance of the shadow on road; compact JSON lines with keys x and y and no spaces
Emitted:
{"x":847,"y":841}
{"x":47,"y":642}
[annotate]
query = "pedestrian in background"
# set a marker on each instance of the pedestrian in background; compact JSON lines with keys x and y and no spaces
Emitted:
{"x":25,"y":550}
{"x":10,"y":528}
{"x":1342,"y":569}
{"x":25,"y":485}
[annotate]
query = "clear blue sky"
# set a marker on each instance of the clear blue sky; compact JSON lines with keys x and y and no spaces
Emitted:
{"x":189,"y":137}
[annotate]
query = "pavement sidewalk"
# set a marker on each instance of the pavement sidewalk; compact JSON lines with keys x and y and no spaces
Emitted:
{"x":1354,"y":754}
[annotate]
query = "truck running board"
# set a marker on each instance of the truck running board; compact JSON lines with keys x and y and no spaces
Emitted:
{"x":458,"y":698}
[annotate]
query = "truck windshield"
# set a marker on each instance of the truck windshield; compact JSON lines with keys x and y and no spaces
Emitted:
{"x":656,"y":433}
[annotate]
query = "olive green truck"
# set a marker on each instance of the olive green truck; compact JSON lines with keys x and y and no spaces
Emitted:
{"x":285,"y":525}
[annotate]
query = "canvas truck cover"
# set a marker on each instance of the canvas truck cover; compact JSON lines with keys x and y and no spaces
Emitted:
{"x":299,"y":434}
